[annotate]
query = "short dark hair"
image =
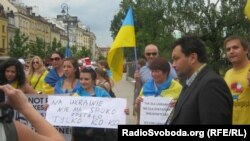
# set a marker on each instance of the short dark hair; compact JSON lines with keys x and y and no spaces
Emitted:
{"x":59,"y":53}
{"x":90,"y":71}
{"x":243,"y":42}
{"x":160,"y":63}
{"x":192,"y":44}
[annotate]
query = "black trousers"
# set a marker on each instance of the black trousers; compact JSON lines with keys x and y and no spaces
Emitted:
{"x":94,"y":134}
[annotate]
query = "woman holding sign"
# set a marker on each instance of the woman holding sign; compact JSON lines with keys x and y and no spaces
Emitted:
{"x":162,"y":85}
{"x":88,"y":88}
{"x":88,"y":80}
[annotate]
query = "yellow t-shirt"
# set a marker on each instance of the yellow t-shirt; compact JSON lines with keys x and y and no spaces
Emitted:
{"x":240,"y":89}
{"x":37,"y":81}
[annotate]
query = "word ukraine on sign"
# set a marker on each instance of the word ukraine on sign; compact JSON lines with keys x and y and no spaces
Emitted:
{"x":86,"y":111}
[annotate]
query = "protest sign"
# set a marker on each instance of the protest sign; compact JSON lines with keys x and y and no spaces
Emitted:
{"x":77,"y":111}
{"x":155,"y":110}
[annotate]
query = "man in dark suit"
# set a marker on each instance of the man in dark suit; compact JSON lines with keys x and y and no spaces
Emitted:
{"x":205,"y":98}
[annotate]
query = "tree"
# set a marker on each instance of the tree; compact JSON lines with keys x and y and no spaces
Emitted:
{"x":155,"y":21}
{"x":18,"y":46}
{"x":55,"y":46}
{"x":83,"y":53}
{"x":38,"y":48}
{"x":149,"y":25}
{"x":74,"y":50}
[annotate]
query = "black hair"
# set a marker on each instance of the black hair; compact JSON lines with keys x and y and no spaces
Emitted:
{"x":192,"y":44}
{"x":59,"y":53}
{"x":20,"y":74}
{"x":90,"y":71}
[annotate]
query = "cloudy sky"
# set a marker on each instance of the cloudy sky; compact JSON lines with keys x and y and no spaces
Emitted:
{"x":96,"y":14}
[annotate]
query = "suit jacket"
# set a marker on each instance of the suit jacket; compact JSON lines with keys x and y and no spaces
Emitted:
{"x":206,"y":101}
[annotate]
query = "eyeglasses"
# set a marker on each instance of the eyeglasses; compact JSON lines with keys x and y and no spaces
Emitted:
{"x":35,"y":62}
{"x":56,"y":59}
{"x":151,"y":53}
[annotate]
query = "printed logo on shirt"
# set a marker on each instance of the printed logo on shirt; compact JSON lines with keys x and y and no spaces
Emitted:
{"x":237,"y":89}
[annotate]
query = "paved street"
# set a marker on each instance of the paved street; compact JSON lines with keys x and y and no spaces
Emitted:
{"x":125,"y":89}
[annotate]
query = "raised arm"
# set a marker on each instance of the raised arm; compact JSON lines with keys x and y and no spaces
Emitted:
{"x":44,"y":130}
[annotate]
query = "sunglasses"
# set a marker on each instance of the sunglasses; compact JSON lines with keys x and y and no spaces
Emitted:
{"x":151,"y":53}
{"x":55,"y":59}
{"x":35,"y":62}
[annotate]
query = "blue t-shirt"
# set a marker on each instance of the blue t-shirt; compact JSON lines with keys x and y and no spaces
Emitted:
{"x":98,"y":92}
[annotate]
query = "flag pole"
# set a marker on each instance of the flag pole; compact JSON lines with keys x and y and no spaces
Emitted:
{"x":136,"y":59}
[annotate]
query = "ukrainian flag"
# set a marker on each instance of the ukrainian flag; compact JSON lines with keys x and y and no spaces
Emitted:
{"x":124,"y":38}
{"x":247,"y":9}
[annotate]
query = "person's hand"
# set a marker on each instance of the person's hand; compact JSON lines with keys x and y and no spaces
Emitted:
{"x":172,"y":103}
{"x":138,"y":100}
{"x":16,"y":98}
{"x":137,"y":76}
{"x":126,"y":111}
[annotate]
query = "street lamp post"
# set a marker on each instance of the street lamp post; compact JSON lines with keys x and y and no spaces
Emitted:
{"x":65,"y":11}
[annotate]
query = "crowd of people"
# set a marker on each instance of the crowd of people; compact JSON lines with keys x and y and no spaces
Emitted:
{"x":200,"y":96}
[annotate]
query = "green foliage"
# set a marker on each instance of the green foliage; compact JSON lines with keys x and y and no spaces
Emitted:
{"x":55,"y":45}
{"x":73,"y":49}
{"x":83,"y":53}
{"x":38,"y":49}
{"x":101,"y":57}
{"x":18,"y":46}
{"x":156,"y":20}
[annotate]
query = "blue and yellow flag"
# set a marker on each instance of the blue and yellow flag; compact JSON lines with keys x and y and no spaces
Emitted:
{"x":124,"y":38}
{"x":247,"y":9}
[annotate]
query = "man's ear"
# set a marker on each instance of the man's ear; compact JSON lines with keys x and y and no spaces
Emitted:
{"x":193,"y":57}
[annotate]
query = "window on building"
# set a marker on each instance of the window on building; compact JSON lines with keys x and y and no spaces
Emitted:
{"x":3,"y":29}
{"x":3,"y":43}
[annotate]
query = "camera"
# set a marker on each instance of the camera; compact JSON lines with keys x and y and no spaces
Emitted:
{"x":2,"y":96}
{"x":6,"y":111}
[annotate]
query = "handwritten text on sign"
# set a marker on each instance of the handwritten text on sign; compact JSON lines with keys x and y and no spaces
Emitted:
{"x":86,"y":111}
{"x":38,"y":101}
{"x":155,"y":110}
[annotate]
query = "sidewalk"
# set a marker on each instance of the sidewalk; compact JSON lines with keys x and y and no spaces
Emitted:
{"x":125,"y":89}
